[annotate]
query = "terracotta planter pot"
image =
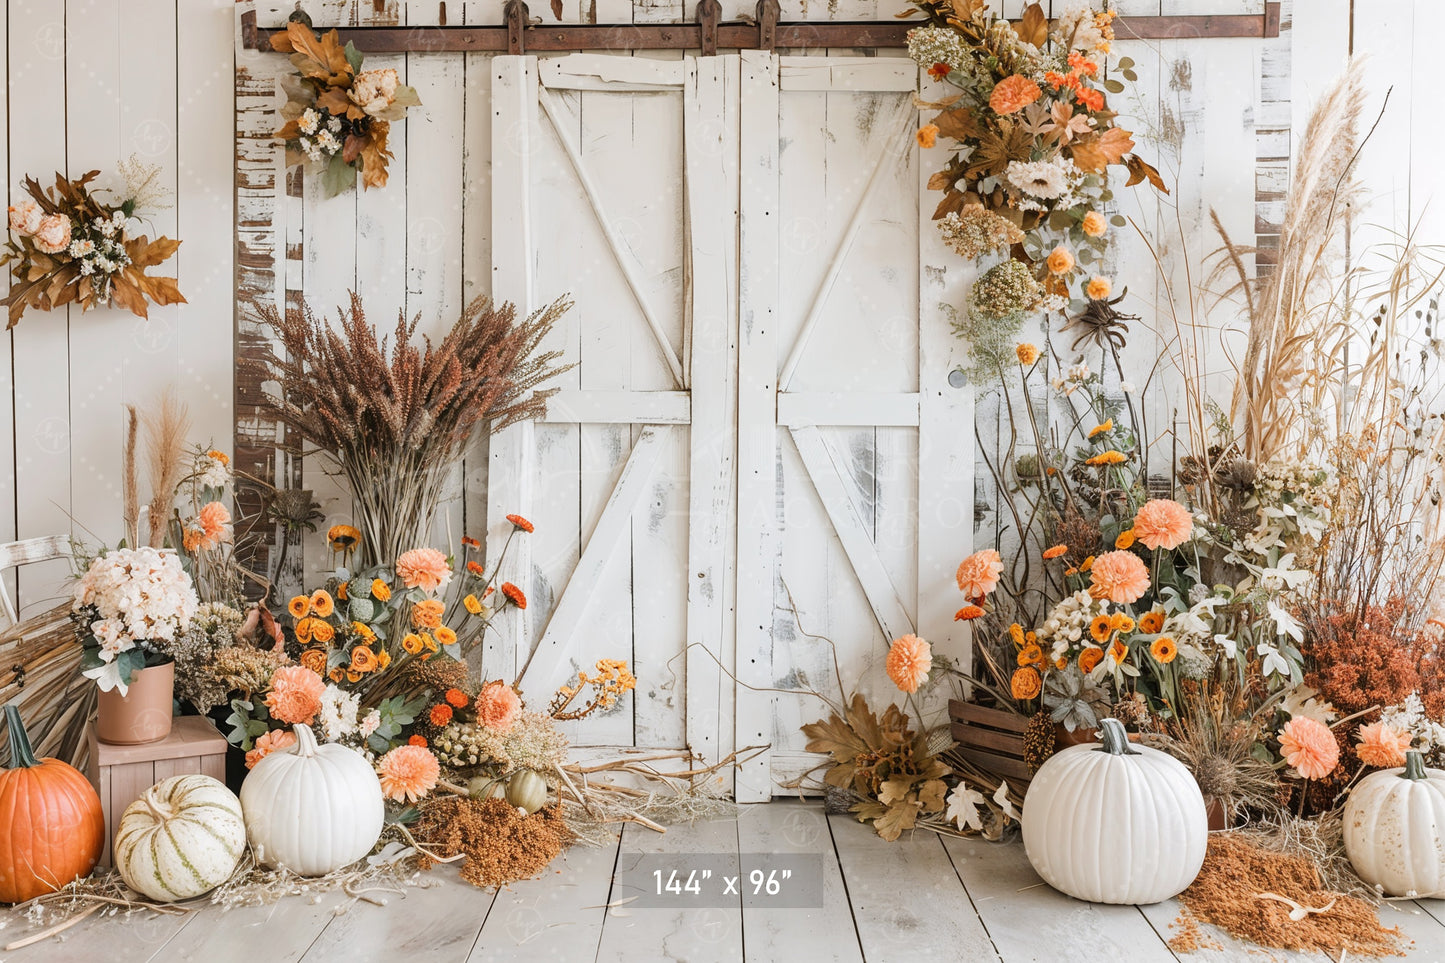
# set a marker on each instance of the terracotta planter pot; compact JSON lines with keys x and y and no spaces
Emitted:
{"x":143,"y":714}
{"x":1063,"y":738}
{"x":1214,"y":809}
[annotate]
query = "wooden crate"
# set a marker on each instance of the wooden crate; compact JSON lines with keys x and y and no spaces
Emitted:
{"x":121,"y":773}
{"x":992,"y":739}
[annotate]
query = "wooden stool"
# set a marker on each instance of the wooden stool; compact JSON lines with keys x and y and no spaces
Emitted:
{"x":121,"y":773}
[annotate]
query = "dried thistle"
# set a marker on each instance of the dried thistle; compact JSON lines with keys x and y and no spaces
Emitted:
{"x":395,"y":414}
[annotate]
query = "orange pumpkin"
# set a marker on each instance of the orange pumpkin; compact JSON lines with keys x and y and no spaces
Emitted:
{"x":52,"y":827}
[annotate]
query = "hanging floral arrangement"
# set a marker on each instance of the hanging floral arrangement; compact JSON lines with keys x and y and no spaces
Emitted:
{"x":67,"y":245}
{"x":338,"y":116}
{"x":1032,"y":139}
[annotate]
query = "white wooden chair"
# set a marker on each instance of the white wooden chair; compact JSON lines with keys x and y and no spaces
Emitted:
{"x":26,"y":552}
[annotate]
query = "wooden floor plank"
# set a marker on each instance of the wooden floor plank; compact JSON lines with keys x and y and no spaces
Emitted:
{"x":556,"y":917}
{"x":135,"y":939}
{"x":438,"y":924}
{"x":1434,"y":907}
{"x":712,"y":934}
{"x":825,"y":933}
{"x":1029,"y":920}
{"x":906,"y":897}
{"x":1425,"y":931}
{"x":286,"y":929}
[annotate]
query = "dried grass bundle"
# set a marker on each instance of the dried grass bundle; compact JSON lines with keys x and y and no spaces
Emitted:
{"x":166,"y":424}
{"x":394,"y":413}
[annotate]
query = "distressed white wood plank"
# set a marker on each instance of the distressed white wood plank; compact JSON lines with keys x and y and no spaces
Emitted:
{"x":557,"y":916}
{"x":205,"y":198}
{"x":1435,"y":907}
{"x":946,"y":448}
{"x":758,"y":306}
{"x":560,"y":125}
{"x":906,"y":893}
{"x":847,"y":73}
{"x":40,"y":348}
{"x":825,"y":472}
{"x":439,"y":923}
{"x":1028,"y":920}
{"x":673,"y":934}
{"x":286,"y":929}
{"x":145,"y":937}
{"x":7,"y":384}
{"x":620,"y":407}
{"x":512,"y":451}
{"x":798,"y":409}
{"x":711,"y":130}
{"x":599,"y":72}
{"x":812,"y":933}
{"x":562,"y":633}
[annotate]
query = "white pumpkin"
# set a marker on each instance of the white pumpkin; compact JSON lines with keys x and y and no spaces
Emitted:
{"x":1115,"y":823}
{"x":312,"y":808}
{"x":182,"y":837}
{"x":1394,"y":824}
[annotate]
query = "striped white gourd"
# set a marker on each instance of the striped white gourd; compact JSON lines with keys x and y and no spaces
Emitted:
{"x":182,"y":837}
{"x":312,"y":808}
{"x":1115,"y":823}
{"x":1395,"y":829}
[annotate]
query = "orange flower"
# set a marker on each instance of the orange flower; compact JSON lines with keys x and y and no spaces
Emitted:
{"x":1151,"y":621}
{"x":1125,"y":539}
{"x":1061,"y":663}
{"x":1025,"y":683}
{"x":299,"y":607}
{"x":273,"y":741}
{"x":1119,"y":577}
{"x":322,"y":631}
{"x":1110,"y":457}
{"x":383,"y":659}
{"x":1090,"y":98}
{"x":1090,"y":658}
{"x":408,"y":773}
{"x":412,"y":643}
{"x":1309,"y":747}
{"x":1094,"y":224}
{"x":1013,"y":93}
{"x":303,"y":630}
{"x":909,"y":661}
{"x":295,"y":695}
{"x":1163,"y":523}
{"x":440,"y":714}
{"x":1163,"y":650}
{"x":968,"y":613}
{"x":1382,"y":745}
{"x":1055,"y":551}
{"x":353,"y":676}
{"x":423,"y":568}
{"x":337,"y":674}
{"x":215,"y":526}
{"x":1081,"y":64}
{"x":978,"y":574}
{"x":445,"y":635}
{"x":514,"y":595}
{"x":417,"y":741}
{"x":363,"y":660}
{"x":521,"y":524}
{"x":1031,"y":655}
{"x":219,"y":456}
{"x":1099,"y":629}
{"x":1099,"y":287}
{"x":343,"y":538}
{"x":1106,"y":426}
{"x":472,"y":604}
{"x":363,"y":630}
{"x":1027,"y":354}
{"x":341,"y":591}
{"x":429,"y":642}
{"x":927,"y":136}
{"x":1118,"y":651}
{"x":497,"y":706}
{"x":427,"y":614}
{"x":1120,"y":622}
{"x":939,"y":71}
{"x":315,"y":660}
{"x":380,"y":590}
{"x":457,"y":698}
{"x":475,"y":568}
{"x":469,"y":542}
{"x":322,"y":604}
{"x":1016,"y":633}
{"x":1060,"y":260}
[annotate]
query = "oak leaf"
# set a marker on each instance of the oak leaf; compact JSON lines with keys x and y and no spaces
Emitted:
{"x":898,"y":818}
{"x":374,"y":156}
{"x":1097,"y":153}
{"x":953,"y":202}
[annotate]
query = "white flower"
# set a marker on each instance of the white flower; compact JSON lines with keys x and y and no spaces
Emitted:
{"x":338,"y":713}
{"x":82,"y":248}
{"x":1042,"y":179}
{"x":87,"y":268}
{"x":135,"y":596}
{"x":334,"y":125}
{"x":1274,"y":663}
{"x":118,"y":218}
{"x":327,"y":142}
{"x":369,"y":723}
{"x":1228,"y":645}
{"x":1079,"y":372}
{"x":212,"y":472}
{"x":1285,"y":623}
{"x":963,"y":806}
{"x":309,"y":120}
{"x":374,"y":90}
{"x":104,"y":225}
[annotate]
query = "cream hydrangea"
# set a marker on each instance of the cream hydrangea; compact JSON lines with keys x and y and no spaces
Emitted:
{"x":133,"y":597}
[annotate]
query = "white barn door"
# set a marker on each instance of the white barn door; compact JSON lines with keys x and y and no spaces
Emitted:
{"x":855,"y":454}
{"x":614,"y":180}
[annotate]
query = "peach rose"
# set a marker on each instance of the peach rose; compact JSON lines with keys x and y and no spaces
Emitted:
{"x":1094,"y":224}
{"x":1099,"y":287}
{"x":25,"y":218}
{"x":53,"y":234}
{"x":1061,"y":260}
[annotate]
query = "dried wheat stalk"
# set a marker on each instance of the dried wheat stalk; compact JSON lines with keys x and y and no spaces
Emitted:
{"x":395,"y":413}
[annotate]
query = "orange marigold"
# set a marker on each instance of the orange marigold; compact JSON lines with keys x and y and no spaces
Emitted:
{"x":1107,"y":425}
{"x":295,"y":695}
{"x":1151,"y":621}
{"x":1056,"y":551}
{"x":1110,"y":457}
{"x":457,"y":698}
{"x":475,"y":568}
{"x":1119,"y":577}
{"x":440,"y":714}
{"x":1120,"y":622}
{"x":1118,"y":651}
{"x":514,"y":595}
{"x":1013,"y":94}
{"x":417,"y":741}
{"x":1125,"y":539}
{"x":273,"y":741}
{"x":1163,"y":650}
{"x":1090,"y":658}
{"x":469,"y":542}
{"x":1310,"y":747}
{"x":408,"y":773}
{"x":939,"y":70}
{"x":909,"y":661}
{"x":1025,"y":683}
{"x":1100,"y":629}
{"x":1382,"y":745}
{"x":927,"y":136}
{"x":968,"y":613}
{"x":299,"y":607}
{"x":380,"y":590}
{"x":497,"y":706}
{"x":1090,"y":97}
{"x":1027,"y":354}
